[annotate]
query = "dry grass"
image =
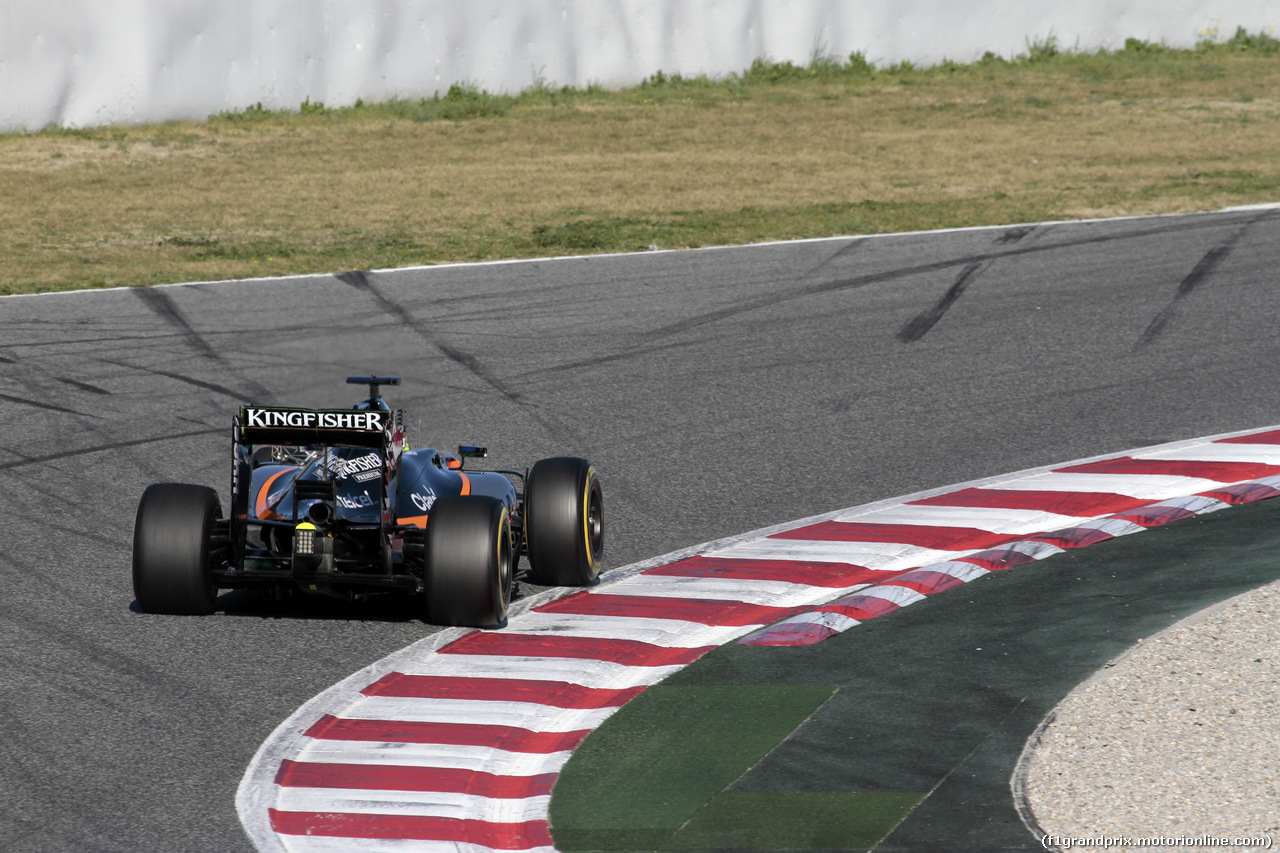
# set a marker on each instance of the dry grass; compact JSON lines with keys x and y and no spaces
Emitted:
{"x":672,"y":165}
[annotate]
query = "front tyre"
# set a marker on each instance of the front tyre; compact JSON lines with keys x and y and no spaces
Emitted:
{"x":172,"y":567}
{"x":470,"y":568}
{"x":564,"y":522}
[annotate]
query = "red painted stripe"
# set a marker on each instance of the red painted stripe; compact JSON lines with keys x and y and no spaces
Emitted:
{"x":1074,"y":537}
{"x":927,"y":582}
{"x":802,"y":634}
{"x":630,"y":652}
{"x":810,"y":572}
{"x":1083,"y":504}
{"x":500,"y":836}
{"x":860,"y":607}
{"x":1272,"y":437}
{"x":558,"y":694}
{"x":510,"y":738}
{"x":390,"y":777}
{"x":922,"y":535}
{"x":703,"y":611}
{"x":1243,"y":493}
{"x":1222,"y":472}
{"x":998,"y":559}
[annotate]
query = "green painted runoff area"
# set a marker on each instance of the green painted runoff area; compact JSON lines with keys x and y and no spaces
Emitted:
{"x":707,"y":736}
{"x":902,"y":733}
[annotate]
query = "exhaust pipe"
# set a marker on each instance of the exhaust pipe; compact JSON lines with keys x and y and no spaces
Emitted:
{"x":320,"y":514}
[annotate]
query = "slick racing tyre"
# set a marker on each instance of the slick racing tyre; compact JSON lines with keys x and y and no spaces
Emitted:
{"x":564,"y":522}
{"x":171,"y":549}
{"x":470,"y":568}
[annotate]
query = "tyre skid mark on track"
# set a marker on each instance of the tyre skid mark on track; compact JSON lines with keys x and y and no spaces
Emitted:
{"x":1202,"y":270}
{"x":458,"y":739}
{"x":102,"y":448}
{"x":83,"y":386}
{"x":870,"y":279}
{"x":23,"y":401}
{"x":163,"y":306}
{"x":918,"y":326}
{"x":360,"y":280}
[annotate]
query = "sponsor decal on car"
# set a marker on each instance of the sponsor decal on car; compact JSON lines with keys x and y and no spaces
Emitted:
{"x":359,"y":468}
{"x":423,"y":501}
{"x":355,"y":502}
{"x":291,"y":418}
{"x":370,"y":465}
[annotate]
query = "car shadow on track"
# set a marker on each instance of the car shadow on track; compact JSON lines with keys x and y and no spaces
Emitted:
{"x":256,"y":603}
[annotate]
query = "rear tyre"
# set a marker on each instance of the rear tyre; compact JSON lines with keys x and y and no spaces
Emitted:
{"x":564,"y":522}
{"x":470,"y":568}
{"x":172,"y":569}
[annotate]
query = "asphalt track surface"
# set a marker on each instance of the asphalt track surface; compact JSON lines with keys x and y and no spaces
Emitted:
{"x":717,"y":391}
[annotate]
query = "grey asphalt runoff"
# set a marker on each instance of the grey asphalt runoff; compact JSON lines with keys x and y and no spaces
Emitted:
{"x":717,"y":391}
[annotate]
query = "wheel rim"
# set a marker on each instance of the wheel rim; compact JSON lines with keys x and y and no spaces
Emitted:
{"x":595,"y":523}
{"x":505,"y":573}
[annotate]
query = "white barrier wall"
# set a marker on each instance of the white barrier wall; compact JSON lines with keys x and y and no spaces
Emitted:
{"x":91,"y":62}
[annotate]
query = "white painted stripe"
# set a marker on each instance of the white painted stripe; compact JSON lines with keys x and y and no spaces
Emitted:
{"x":1033,"y":549}
{"x":964,"y":572}
{"x":483,"y":759}
{"x":670,"y":633}
{"x":414,"y":803}
{"x":1144,"y":486}
{"x":899,"y":595}
{"x":523,"y":715}
{"x":721,"y":589}
{"x":588,"y":673}
{"x":1268,"y":454}
{"x":1199,"y":504}
{"x":835,"y":621}
{"x":321,"y":844}
{"x":881,"y":556}
{"x":1114,"y":526}
{"x":993,"y":519}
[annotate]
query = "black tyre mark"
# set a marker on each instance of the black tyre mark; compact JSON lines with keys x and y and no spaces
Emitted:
{"x":22,"y":401}
{"x":1194,"y":279}
{"x":854,"y":245}
{"x":1195,"y":223}
{"x":83,"y":386}
{"x":257,"y":393}
{"x":1014,"y":235}
{"x":917,"y":327}
{"x":162,"y":306}
{"x":359,"y":279}
{"x":597,"y":361}
{"x":115,"y":445}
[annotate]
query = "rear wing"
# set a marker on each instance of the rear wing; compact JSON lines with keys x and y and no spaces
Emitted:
{"x":347,"y":427}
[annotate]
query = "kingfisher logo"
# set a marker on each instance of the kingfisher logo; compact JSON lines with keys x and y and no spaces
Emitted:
{"x":290,"y":418}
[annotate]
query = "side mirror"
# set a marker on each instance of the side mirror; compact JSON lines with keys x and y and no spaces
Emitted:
{"x":472,"y":451}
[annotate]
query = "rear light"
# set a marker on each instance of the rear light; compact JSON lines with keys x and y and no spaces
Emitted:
{"x":304,"y":539}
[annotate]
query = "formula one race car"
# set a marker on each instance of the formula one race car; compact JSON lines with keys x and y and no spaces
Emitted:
{"x":334,"y":502}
